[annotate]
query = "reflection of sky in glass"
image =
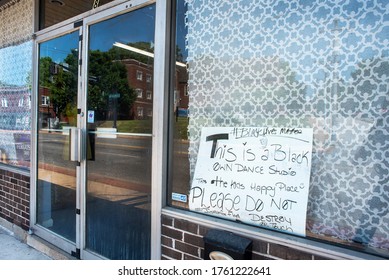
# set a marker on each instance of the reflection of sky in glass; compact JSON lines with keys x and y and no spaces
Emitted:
{"x":133,"y":27}
{"x":59,"y":48}
{"x":182,"y":29}
{"x":15,"y":64}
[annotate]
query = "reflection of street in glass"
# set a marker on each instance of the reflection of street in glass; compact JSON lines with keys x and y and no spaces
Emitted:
{"x":110,"y":189}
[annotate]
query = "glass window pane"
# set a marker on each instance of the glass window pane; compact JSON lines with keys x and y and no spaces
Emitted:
{"x":15,"y":125}
{"x":180,"y":165}
{"x":119,"y":135}
{"x":57,"y":114}
{"x":15,"y":83}
{"x":303,"y":64}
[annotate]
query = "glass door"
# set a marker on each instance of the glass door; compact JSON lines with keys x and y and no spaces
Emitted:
{"x":119,"y":129}
{"x":94,"y":134}
{"x":57,"y":131}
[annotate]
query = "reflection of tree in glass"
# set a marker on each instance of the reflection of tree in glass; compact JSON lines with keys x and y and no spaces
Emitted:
{"x":179,"y":54}
{"x":108,"y":76}
{"x":61,"y":81}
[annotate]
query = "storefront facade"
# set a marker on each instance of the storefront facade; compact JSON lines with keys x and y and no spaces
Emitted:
{"x":129,"y":129}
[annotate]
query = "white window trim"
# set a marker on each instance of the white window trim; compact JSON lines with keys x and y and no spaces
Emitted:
{"x":139,"y":75}
{"x":139,"y":93}
{"x":139,"y":111}
{"x":4,"y":102}
{"x":45,"y":100}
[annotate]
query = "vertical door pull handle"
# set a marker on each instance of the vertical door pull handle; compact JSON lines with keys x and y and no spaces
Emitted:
{"x":74,"y":144}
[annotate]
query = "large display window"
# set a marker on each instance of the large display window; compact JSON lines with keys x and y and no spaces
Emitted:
{"x":15,"y":83}
{"x":310,"y":69}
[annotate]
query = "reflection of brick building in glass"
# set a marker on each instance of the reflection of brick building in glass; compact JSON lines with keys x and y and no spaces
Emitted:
{"x":46,"y":111}
{"x":140,"y":78}
{"x":15,"y":108}
{"x":15,"y":123}
{"x":181,"y":97}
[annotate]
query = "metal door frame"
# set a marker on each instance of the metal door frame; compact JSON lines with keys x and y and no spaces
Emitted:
{"x":160,"y":86}
{"x":40,"y":231}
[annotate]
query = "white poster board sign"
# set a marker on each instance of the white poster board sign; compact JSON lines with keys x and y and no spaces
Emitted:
{"x":256,"y":175}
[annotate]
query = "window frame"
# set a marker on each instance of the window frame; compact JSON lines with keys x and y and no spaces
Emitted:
{"x":45,"y":100}
{"x":139,"y":75}
{"x":139,"y":92}
{"x":4,"y":102}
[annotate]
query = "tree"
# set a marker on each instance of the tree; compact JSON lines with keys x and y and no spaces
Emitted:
{"x":108,"y":77}
{"x":61,"y":82}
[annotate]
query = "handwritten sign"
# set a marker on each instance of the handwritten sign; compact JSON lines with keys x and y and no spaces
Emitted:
{"x":256,"y":175}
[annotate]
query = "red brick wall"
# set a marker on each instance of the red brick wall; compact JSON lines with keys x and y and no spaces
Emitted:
{"x":183,"y":240}
{"x":15,"y":198}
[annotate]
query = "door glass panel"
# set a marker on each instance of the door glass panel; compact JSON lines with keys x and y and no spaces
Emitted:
{"x":57,"y":113}
{"x":119,"y":104}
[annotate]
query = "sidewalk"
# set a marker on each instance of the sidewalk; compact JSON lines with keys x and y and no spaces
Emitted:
{"x":13,"y":249}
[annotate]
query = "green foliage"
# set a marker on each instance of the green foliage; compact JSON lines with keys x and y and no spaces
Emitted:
{"x":61,"y":81}
{"x":108,"y":76}
{"x":181,"y":128}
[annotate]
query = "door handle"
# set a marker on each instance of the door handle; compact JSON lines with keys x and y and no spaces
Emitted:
{"x":74,"y":137}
